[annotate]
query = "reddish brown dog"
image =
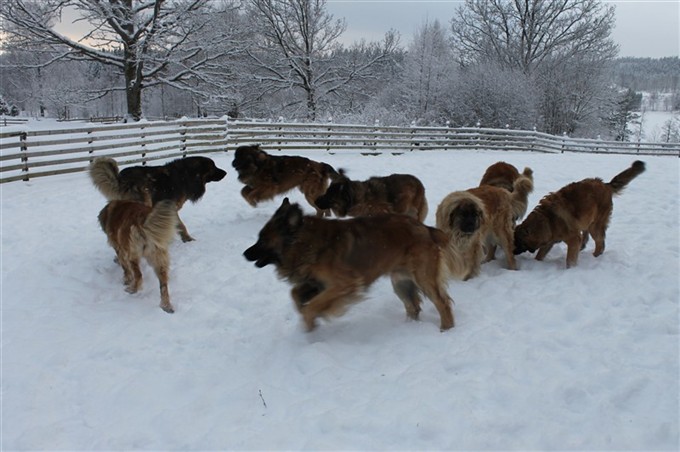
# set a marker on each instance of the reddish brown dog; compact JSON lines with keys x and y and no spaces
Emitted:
{"x":135,"y":230}
{"x":571,"y":214}
{"x":396,"y":193}
{"x":331,"y":263}
{"x":266,"y":176}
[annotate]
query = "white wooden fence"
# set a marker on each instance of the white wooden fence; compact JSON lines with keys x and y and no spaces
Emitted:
{"x":26,"y":153}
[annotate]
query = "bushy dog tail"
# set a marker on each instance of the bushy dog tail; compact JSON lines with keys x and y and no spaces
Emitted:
{"x":161,"y":223}
{"x":621,"y":180}
{"x":104,"y":175}
{"x":521,"y":188}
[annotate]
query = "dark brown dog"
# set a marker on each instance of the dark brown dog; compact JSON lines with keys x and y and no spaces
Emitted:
{"x":502,"y":175}
{"x":571,"y":214}
{"x":397,"y":193}
{"x":502,"y":209}
{"x":180,"y":181}
{"x":331,"y":263}
{"x":266,"y":175}
{"x":135,"y":230}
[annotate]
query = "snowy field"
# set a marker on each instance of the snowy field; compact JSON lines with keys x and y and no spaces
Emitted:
{"x":540,"y":358}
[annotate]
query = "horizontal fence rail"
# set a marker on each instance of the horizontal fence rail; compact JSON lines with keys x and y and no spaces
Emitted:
{"x":26,"y":153}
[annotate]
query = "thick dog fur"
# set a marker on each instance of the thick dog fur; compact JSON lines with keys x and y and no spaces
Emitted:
{"x":397,"y":193}
{"x":463,"y":218}
{"x":503,"y":175}
{"x":332,"y":262}
{"x":135,"y":230}
{"x":502,"y":209}
{"x":571,"y":214}
{"x":266,"y":176}
{"x":180,"y":180}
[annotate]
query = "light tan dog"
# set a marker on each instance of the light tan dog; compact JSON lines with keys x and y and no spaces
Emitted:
{"x":461,"y":215}
{"x":502,"y":209}
{"x":135,"y":230}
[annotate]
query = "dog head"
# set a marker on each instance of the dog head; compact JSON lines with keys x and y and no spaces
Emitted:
{"x":532,"y":234}
{"x":247,"y":160}
{"x":275,"y":235}
{"x":460,"y":214}
{"x":338,"y":197}
{"x":197,"y":171}
{"x":466,"y":217}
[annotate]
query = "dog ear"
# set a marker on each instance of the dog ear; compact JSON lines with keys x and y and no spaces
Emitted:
{"x":294,"y":217}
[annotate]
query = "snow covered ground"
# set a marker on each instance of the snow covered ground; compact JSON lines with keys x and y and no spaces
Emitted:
{"x":540,"y":358}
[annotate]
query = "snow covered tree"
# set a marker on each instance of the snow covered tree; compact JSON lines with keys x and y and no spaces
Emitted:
{"x":527,"y":34}
{"x":429,"y":72}
{"x":4,"y":106}
{"x":149,"y":42}
{"x":493,"y":96}
{"x":548,"y":41}
{"x":293,"y":55}
{"x":624,"y":114}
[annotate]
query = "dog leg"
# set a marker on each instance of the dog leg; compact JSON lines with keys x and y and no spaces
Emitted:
{"x":160,"y":261}
{"x":431,"y":282}
{"x":135,"y":275}
{"x":598,"y":236}
{"x":543,"y":251}
{"x":584,"y":240}
{"x":490,"y":252}
{"x":507,"y":243}
{"x":247,"y":193}
{"x":407,"y":291}
{"x":331,"y":301}
{"x":183,"y":232}
{"x":304,"y":292}
{"x":573,"y":248}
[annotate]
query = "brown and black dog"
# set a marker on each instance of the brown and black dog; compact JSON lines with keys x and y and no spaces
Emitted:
{"x":332,"y":262}
{"x":503,"y":208}
{"x":501,"y":174}
{"x":180,"y":181}
{"x":266,"y":176}
{"x":397,"y":193}
{"x":572,"y":214}
{"x":135,"y":230}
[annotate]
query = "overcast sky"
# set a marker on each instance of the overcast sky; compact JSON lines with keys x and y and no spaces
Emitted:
{"x":644,"y":28}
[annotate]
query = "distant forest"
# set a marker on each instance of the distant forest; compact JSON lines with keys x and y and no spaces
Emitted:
{"x":648,"y":74}
{"x":504,"y":67}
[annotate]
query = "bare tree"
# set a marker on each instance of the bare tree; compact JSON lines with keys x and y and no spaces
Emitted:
{"x":525,"y":34}
{"x":294,"y":53}
{"x":563,"y":46}
{"x":150,"y":42}
{"x":429,"y":72}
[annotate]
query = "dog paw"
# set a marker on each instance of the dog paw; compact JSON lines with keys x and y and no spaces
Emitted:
{"x":187,"y":238}
{"x":168,"y":308}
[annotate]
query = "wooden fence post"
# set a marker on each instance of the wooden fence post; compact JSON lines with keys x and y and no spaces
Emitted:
{"x":330,"y":129}
{"x":23,"y":138}
{"x":183,"y":139}
{"x":141,"y":130}
{"x":564,"y":141}
{"x":89,"y":143}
